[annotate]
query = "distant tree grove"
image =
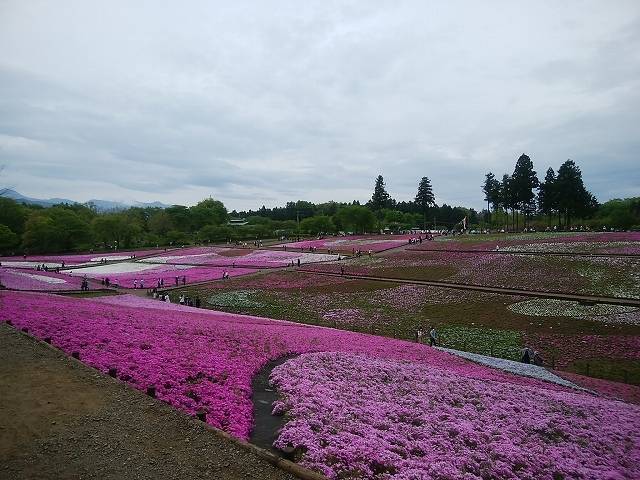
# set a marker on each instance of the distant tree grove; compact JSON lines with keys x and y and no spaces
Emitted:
{"x":561,"y":199}
{"x":515,"y":202}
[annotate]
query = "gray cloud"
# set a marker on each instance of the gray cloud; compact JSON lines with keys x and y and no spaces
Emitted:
{"x":263,"y":103}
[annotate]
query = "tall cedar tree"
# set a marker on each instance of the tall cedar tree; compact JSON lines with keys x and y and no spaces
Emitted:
{"x":547,"y":195}
{"x":572,"y":196}
{"x":491,"y":190}
{"x":523,"y":181}
{"x":506,"y":196}
{"x":380,"y":198}
{"x":425,"y":198}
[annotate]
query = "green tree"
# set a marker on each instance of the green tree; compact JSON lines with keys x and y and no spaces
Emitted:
{"x":114,"y":230}
{"x":208,"y":212}
{"x":317,"y":225}
{"x":8,"y":239}
{"x":39,"y":233}
{"x":160,"y":223}
{"x":355,"y":218}
{"x":572,"y":196}
{"x":13,"y":214}
{"x":547,"y":194}
{"x":523,"y":181}
{"x":380,"y":198}
{"x":491,"y":190}
{"x":425,"y":198}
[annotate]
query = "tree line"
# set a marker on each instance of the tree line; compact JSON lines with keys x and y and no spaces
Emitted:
{"x":561,"y":198}
{"x":562,"y":195}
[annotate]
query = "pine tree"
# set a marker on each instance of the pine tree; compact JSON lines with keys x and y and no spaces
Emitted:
{"x":572,"y":196}
{"x":547,"y":196}
{"x":380,"y":198}
{"x":523,"y":181}
{"x":491,"y":190}
{"x":425,"y":198}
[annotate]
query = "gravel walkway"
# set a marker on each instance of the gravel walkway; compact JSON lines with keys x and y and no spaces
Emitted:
{"x":517,"y":368}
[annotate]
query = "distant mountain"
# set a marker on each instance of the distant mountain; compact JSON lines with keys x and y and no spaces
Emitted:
{"x":100,"y":205}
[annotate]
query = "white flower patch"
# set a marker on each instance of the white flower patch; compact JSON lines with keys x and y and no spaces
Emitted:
{"x":124,"y":267}
{"x":41,"y":278}
{"x":30,"y":264}
{"x":173,"y":258}
{"x":547,"y":307}
{"x":110,"y":258}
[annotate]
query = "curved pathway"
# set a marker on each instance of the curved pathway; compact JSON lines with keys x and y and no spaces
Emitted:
{"x":517,"y":368}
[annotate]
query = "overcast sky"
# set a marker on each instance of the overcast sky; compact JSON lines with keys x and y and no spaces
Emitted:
{"x":263,"y":102}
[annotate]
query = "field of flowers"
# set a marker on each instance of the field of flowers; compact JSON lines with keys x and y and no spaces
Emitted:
{"x":351,"y":243}
{"x":18,"y":279}
{"x":220,"y":256}
{"x":126,"y":273}
{"x":353,"y":416}
{"x":31,"y":261}
{"x":490,"y":324}
{"x":609,"y":276}
{"x":371,"y":408}
{"x":626,"y":243}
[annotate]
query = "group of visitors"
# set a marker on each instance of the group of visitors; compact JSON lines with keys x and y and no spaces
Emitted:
{"x":530,"y":356}
{"x":138,"y":285}
{"x":45,"y":268}
{"x":178,"y":279}
{"x":359,"y":253}
{"x":108,"y":283}
{"x":84,"y":286}
{"x":257,"y":243}
{"x":189,"y":302}
{"x":433,"y":336}
{"x":295,"y":262}
{"x":162,"y":297}
{"x":225,"y":275}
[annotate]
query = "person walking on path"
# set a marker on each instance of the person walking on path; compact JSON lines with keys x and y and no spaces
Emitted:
{"x":419,"y":335}
{"x":526,"y":355}
{"x":433,"y":337}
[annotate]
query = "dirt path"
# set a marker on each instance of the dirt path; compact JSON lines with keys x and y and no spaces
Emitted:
{"x":61,"y":419}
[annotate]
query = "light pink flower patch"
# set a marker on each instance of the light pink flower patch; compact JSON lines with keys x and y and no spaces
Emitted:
{"x":20,"y":279}
{"x":354,"y":416}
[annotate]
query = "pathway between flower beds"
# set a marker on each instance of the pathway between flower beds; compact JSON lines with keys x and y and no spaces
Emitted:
{"x":517,"y":368}
{"x":592,"y":299}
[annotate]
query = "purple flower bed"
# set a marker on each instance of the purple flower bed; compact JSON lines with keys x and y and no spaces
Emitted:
{"x":364,"y":243}
{"x":204,"y":360}
{"x":78,"y":259}
{"x":34,"y":280}
{"x":354,"y":416}
{"x":582,"y":242}
{"x":152,"y":273}
{"x":217,"y":256}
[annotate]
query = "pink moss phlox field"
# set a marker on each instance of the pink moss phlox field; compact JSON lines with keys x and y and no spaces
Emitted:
{"x":77,"y":259}
{"x":168,"y":273}
{"x":286,"y":280}
{"x":218,"y":256}
{"x":376,"y":243}
{"x":583,"y":242}
{"x":613,"y":390}
{"x":20,"y":279}
{"x":201,"y":359}
{"x":353,"y":416}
